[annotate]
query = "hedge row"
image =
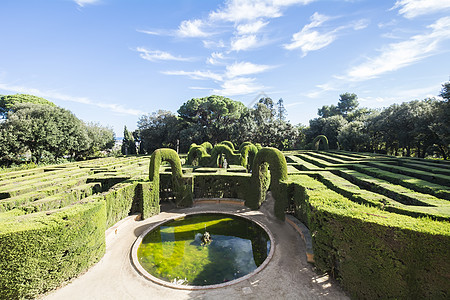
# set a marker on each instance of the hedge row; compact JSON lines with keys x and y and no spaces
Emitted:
{"x":406,"y":181}
{"x":374,"y":254}
{"x":41,"y":250}
{"x":430,"y":206}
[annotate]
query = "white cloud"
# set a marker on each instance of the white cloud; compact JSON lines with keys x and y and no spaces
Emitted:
{"x":245,"y":68}
{"x":238,"y":86}
{"x":155,"y":55}
{"x":310,"y":40}
{"x":193,"y":28}
{"x":215,"y":58}
{"x":249,"y":28}
{"x":82,"y":100}
{"x":149,"y":32}
{"x":413,"y":8}
{"x":249,"y":10}
{"x":402,"y":54}
{"x":244,"y":43}
{"x":213,"y":44}
{"x":196,"y":74}
{"x":82,"y":3}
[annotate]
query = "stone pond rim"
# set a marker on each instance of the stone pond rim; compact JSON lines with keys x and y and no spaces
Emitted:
{"x":147,"y":275}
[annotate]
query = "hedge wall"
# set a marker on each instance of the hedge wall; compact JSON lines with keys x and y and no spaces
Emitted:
{"x":221,"y":185}
{"x":39,"y":251}
{"x":278,"y":172}
{"x":374,"y":254}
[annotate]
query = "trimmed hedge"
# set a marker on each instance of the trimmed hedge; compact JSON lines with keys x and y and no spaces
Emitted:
{"x":323,"y":139}
{"x":374,"y":254}
{"x":229,"y":144}
{"x":221,"y":185}
{"x":200,"y":154}
{"x":232,"y":159}
{"x":39,"y":251}
{"x":182,"y":186}
{"x":268,"y":158}
{"x":248,"y":153}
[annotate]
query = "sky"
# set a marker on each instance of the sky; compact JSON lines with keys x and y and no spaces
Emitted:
{"x":112,"y":61}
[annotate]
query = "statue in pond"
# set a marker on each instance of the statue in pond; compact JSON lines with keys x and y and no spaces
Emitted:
{"x":206,"y":238}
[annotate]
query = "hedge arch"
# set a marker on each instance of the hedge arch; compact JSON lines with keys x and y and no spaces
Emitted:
{"x":243,"y":145}
{"x":182,"y":186}
{"x":229,"y":155}
{"x":278,"y":172}
{"x":229,"y":144}
{"x":208,"y":147}
{"x":248,"y":154}
{"x":200,"y":153}
{"x":321,"y":138}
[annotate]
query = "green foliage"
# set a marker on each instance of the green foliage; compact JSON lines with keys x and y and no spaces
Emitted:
{"x":374,"y":254}
{"x":40,"y":128}
{"x":128,"y":143}
{"x":198,"y":156}
{"x":278,"y":172}
{"x":182,"y":186}
{"x":321,"y":138}
{"x":229,"y":144}
{"x":218,"y":150}
{"x":208,"y":147}
{"x":221,"y":185}
{"x":8,"y":102}
{"x":248,"y":153}
{"x":158,"y":130}
{"x":38,"y":252}
{"x":211,"y":118}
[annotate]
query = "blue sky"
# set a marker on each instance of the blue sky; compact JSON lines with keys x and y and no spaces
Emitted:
{"x":111,"y":61}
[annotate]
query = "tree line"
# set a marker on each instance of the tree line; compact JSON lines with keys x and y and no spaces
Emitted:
{"x":35,"y":127}
{"x":214,"y":119}
{"x":416,"y":128}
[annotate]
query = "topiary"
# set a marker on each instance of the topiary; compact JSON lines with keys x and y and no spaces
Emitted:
{"x":278,"y":172}
{"x":321,"y":138}
{"x":248,"y":153}
{"x":181,"y":187}
{"x":208,"y":147}
{"x":199,"y":153}
{"x":243,"y":145}
{"x":229,"y":144}
{"x":229,"y":155}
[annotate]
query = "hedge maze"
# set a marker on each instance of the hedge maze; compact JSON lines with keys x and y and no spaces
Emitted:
{"x":379,"y":224}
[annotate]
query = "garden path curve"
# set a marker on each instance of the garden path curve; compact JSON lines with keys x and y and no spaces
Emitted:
{"x":287,"y":276}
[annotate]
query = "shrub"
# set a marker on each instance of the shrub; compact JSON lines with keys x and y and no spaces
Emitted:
{"x":248,"y":153}
{"x":229,"y":144}
{"x":375,"y":254}
{"x":182,"y":186}
{"x":278,"y":172}
{"x":323,"y":139}
{"x":40,"y":251}
{"x":232,"y":159}
{"x":199,"y":154}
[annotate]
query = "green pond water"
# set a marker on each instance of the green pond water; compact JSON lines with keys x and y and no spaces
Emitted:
{"x":174,"y":251}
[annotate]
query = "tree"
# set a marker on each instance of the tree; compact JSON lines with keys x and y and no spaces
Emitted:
{"x":100,"y":138}
{"x":44,"y":128}
{"x":7,"y":102}
{"x":128,"y":143}
{"x":214,"y":118}
{"x":328,"y":111}
{"x":347,"y":103}
{"x":281,"y":111}
{"x":445,"y":92}
{"x":158,"y":130}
